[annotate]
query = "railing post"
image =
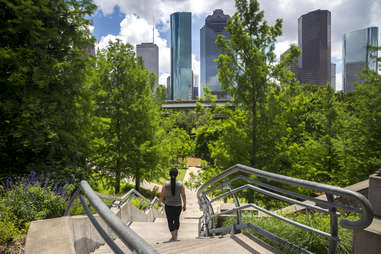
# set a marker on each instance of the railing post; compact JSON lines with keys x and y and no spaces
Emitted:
{"x":205,"y":208}
{"x":72,"y":199}
{"x":239,"y":213}
{"x":333,"y":225}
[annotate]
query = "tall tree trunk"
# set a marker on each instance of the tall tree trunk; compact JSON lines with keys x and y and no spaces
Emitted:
{"x":118,"y":169}
{"x":137,"y":180}
{"x":253,"y":158}
{"x":117,"y":178}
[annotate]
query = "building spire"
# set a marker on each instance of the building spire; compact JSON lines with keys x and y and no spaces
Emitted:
{"x":153,"y":30}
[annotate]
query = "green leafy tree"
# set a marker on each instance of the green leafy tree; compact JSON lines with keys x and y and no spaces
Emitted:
{"x":245,"y":63}
{"x":127,"y":140}
{"x":44,"y":102}
{"x":365,"y":105}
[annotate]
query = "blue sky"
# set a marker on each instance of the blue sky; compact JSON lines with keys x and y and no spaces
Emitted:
{"x":132,"y":22}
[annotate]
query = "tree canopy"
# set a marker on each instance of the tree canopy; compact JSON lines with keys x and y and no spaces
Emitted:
{"x":43,"y":85}
{"x":126,"y":139}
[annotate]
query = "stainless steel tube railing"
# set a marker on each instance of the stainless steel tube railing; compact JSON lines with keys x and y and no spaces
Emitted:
{"x":329,"y":206}
{"x":132,"y":240}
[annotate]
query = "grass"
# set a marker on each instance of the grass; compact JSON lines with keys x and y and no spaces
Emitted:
{"x":300,"y":237}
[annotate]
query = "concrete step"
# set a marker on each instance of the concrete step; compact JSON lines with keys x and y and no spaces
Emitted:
{"x":237,"y":244}
{"x":158,"y":232}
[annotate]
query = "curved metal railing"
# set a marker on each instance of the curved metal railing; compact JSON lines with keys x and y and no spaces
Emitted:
{"x":132,"y":240}
{"x":207,"y":225}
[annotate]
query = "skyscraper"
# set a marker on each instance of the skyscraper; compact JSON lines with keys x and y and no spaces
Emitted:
{"x":357,"y":56}
{"x":293,"y":66}
{"x":169,"y":88}
{"x":181,"y":54}
{"x":314,"y":39}
{"x":214,"y":25}
{"x":150,"y":54}
{"x":333,"y":75}
{"x":195,"y":93}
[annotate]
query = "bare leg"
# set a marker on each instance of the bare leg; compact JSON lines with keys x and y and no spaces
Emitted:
{"x":173,"y":233}
{"x":175,"y":238}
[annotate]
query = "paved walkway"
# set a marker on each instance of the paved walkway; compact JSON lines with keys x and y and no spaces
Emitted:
{"x":193,"y":210}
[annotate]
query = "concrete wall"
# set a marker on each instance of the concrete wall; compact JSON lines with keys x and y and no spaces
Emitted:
{"x":53,"y":236}
{"x":129,"y":212}
{"x":368,"y":240}
{"x":76,"y":234}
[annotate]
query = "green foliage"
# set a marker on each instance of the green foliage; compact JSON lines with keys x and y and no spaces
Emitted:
{"x":25,"y":199}
{"x":9,"y":232}
{"x":163,"y":179}
{"x":44,"y":92}
{"x":300,"y":237}
{"x":246,"y":62}
{"x":175,"y":141}
{"x":29,"y":203}
{"x":126,"y":139}
{"x":303,"y":131}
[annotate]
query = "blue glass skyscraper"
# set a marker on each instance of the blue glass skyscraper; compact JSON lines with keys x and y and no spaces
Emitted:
{"x":181,"y":55}
{"x":357,"y":56}
{"x":214,"y":25}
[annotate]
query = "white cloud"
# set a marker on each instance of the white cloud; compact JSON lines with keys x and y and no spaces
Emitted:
{"x":135,"y":30}
{"x":160,"y":10}
{"x":195,"y":65}
{"x":347,"y":16}
{"x":105,"y":41}
{"x":281,"y":47}
{"x":107,"y":6}
{"x":339,"y":81}
{"x":91,"y":28}
{"x":163,"y":79}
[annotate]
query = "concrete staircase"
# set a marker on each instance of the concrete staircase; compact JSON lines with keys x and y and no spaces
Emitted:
{"x":157,"y":234}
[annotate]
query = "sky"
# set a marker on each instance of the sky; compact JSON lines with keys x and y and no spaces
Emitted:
{"x":133,"y":21}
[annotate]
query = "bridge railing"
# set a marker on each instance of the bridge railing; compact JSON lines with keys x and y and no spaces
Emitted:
{"x":132,"y":240}
{"x":207,"y":223}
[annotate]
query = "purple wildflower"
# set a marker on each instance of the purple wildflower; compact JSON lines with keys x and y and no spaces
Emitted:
{"x":32,"y":175}
{"x":46,"y":182}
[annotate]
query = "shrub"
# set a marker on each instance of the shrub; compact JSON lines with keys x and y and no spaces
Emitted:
{"x":8,"y":231}
{"x":23,"y":200}
{"x":29,"y":203}
{"x":300,"y":237}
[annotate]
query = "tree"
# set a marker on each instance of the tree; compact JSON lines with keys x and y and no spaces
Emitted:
{"x":365,"y":104}
{"x":126,"y":141}
{"x":245,"y":63}
{"x":44,"y":117}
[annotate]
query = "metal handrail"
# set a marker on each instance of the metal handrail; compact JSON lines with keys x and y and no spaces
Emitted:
{"x":329,"y":206}
{"x":132,"y":240}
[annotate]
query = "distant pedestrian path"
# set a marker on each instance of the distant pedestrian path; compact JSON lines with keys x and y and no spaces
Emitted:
{"x":193,"y":210}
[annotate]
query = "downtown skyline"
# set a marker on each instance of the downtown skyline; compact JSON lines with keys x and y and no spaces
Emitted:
{"x":133,"y":23}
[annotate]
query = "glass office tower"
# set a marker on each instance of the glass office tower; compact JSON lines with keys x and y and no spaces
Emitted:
{"x":314,"y":39}
{"x":356,"y":55}
{"x":214,"y":25}
{"x":150,"y":54}
{"x":333,"y":75}
{"x":181,"y":55}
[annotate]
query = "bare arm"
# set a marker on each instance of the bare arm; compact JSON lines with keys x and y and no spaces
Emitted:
{"x":162,"y":194}
{"x":184,"y":198}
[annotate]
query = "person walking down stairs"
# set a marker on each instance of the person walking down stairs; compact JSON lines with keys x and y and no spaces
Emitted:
{"x":173,"y":191}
